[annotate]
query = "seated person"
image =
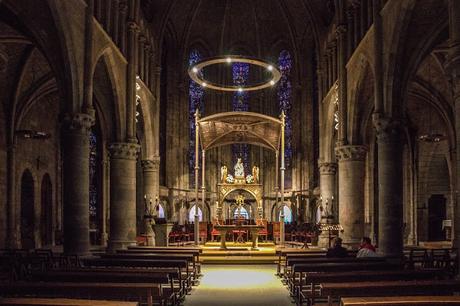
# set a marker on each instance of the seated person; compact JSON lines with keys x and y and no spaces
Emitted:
{"x":366,"y":249}
{"x":337,"y":250}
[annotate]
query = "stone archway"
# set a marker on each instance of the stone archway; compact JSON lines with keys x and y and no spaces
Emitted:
{"x":46,"y":220}
{"x":27,"y":211}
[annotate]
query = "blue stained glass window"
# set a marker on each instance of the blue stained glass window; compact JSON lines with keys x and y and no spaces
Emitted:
{"x":196,"y":95}
{"x":93,"y":187}
{"x":161,"y":211}
{"x":287,"y":214}
{"x":191,"y":214}
{"x":241,"y":213}
{"x":240,"y":73}
{"x":285,"y":104}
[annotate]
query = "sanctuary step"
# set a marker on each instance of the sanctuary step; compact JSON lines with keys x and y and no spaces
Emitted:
{"x":239,"y":253}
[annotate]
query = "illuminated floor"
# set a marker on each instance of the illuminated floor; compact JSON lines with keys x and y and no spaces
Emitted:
{"x":239,"y":285}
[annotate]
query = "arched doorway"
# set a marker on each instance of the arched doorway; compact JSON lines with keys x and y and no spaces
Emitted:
{"x":46,"y":220}
{"x":27,"y":211}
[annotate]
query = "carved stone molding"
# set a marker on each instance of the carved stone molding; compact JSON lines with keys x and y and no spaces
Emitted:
{"x":351,"y":153}
{"x":78,"y":122}
{"x":327,"y":168}
{"x":387,"y":129}
{"x":124,"y":150}
{"x":151,"y":164}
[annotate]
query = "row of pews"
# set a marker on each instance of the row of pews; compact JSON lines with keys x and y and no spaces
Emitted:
{"x":144,"y":275}
{"x":311,"y":277}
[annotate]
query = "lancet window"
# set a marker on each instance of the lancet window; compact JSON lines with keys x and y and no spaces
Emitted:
{"x":285,"y":104}
{"x":240,"y":73}
{"x":196,"y":102}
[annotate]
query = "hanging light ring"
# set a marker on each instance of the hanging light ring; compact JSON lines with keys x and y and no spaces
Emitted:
{"x":195,"y":75}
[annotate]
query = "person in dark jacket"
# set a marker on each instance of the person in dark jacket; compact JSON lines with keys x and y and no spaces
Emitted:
{"x":337,"y":250}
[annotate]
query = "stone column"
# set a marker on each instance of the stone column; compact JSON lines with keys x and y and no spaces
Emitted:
{"x":453,"y":67}
{"x":351,"y":160}
{"x":13,"y":230}
{"x":123,"y":7}
{"x":75,"y":136}
{"x":327,"y":171}
{"x":341,"y":33}
{"x":150,"y":168}
{"x":389,"y":153}
{"x":122,"y":195}
{"x":350,"y":32}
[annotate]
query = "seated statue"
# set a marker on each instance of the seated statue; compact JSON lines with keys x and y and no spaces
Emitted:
{"x":239,"y":168}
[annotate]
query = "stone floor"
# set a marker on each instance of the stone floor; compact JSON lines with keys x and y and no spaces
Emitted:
{"x":237,"y":285}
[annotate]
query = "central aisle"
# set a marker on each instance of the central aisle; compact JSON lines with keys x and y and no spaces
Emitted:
{"x":239,"y":285}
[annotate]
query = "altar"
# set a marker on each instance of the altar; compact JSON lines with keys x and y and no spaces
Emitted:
{"x":224,"y":229}
{"x":232,"y":128}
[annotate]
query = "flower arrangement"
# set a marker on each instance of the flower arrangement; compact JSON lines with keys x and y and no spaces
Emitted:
{"x":249,"y":179}
{"x":230,"y":179}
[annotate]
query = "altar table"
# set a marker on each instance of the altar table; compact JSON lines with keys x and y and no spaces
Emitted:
{"x":224,"y":229}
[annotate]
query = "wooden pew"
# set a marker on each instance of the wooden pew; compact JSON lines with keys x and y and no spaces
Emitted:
{"x":110,"y":291}
{"x":162,"y":279}
{"x":283,"y":254}
{"x":177,"y":284}
{"x":298,"y":270}
{"x":61,"y":302}
{"x":389,"y":288}
{"x":401,"y":301}
{"x":182,"y":266}
{"x":293,"y":261}
{"x":309,"y":283}
{"x":164,"y":250}
{"x":157,"y":256}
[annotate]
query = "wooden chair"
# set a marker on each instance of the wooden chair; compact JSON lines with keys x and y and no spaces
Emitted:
{"x":214,"y":232}
{"x":276,"y":231}
{"x":241,"y":235}
{"x":203,"y":231}
{"x":263,"y":232}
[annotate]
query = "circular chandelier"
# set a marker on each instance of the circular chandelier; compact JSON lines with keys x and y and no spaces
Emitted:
{"x":195,"y":75}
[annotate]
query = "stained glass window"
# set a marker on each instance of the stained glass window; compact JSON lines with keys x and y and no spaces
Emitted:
{"x":196,"y":95}
{"x":161,"y":211}
{"x":285,"y":104}
{"x":240,"y":73}
{"x":191,"y":214}
{"x":241,"y":213}
{"x":93,"y":165}
{"x":287,"y":214}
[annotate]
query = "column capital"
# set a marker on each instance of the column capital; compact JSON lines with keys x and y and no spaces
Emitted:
{"x":133,"y":27}
{"x":327,"y":168}
{"x":151,"y":164}
{"x":78,"y":122}
{"x":124,"y":150}
{"x":387,"y":129}
{"x":351,"y":153}
{"x":340,"y":30}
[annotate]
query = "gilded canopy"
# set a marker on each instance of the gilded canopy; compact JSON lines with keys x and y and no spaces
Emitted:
{"x":240,"y":127}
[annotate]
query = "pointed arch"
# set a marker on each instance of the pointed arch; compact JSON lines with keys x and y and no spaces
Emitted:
{"x":46,"y":210}
{"x":27,"y":211}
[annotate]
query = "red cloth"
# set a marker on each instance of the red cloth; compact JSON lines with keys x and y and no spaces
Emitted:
{"x":367,"y":246}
